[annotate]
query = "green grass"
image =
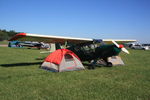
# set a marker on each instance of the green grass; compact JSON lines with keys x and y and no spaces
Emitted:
{"x":22,"y":79}
{"x":4,"y":42}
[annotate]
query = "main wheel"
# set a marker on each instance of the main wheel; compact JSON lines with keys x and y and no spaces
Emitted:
{"x":109,"y":64}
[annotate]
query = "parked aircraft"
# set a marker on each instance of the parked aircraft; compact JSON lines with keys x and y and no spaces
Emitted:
{"x":86,"y":49}
{"x":139,"y":46}
{"x":39,"y":45}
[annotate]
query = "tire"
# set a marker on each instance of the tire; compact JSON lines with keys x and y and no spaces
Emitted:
{"x":109,"y":64}
{"x":143,"y":49}
{"x":91,"y":67}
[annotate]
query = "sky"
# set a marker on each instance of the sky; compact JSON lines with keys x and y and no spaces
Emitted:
{"x":99,"y":19}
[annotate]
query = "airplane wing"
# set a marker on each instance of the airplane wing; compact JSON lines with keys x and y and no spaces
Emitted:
{"x":60,"y":39}
{"x":48,"y":38}
{"x":119,"y":41}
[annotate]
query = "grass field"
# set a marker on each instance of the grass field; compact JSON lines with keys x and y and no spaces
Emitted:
{"x":4,"y":42}
{"x":22,"y":79}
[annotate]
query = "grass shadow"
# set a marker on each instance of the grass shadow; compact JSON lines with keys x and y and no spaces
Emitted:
{"x":20,"y":64}
{"x":42,"y":58}
{"x":90,"y":66}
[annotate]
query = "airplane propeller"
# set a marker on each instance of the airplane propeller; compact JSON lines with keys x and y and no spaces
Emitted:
{"x":121,"y":46}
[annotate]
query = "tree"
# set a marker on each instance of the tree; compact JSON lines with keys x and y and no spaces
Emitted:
{"x":5,"y":35}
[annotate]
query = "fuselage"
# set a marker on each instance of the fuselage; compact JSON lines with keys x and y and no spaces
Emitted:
{"x":92,"y":52}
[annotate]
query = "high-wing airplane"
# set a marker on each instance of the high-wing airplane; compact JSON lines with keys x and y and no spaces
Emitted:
{"x":86,"y":49}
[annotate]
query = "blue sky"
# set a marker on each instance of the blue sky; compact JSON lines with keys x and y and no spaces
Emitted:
{"x":123,"y":19}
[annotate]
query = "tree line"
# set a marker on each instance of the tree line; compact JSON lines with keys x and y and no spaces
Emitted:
{"x":6,"y":35}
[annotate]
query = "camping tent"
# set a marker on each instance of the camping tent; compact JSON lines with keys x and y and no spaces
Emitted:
{"x":62,"y":60}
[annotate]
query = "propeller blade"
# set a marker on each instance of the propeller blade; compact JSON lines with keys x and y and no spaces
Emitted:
{"x":121,"y":46}
{"x":125,"y":50}
{"x":115,"y":43}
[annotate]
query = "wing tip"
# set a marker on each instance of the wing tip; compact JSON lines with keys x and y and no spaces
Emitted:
{"x":19,"y":35}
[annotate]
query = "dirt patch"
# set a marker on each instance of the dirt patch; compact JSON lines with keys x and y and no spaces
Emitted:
{"x":3,"y":45}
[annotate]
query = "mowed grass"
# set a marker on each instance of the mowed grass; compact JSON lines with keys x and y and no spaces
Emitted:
{"x":4,"y":42}
{"x":22,"y":79}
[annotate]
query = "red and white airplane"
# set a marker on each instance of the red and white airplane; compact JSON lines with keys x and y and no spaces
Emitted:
{"x":85,"y":48}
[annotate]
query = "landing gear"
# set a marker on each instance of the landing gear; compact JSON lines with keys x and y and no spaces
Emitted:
{"x":99,"y":63}
{"x":91,"y":67}
{"x":93,"y":64}
{"x":108,"y":64}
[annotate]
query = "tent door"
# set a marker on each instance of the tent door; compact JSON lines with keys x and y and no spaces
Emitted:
{"x":69,"y":61}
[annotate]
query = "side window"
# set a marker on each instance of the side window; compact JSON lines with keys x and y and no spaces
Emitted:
{"x":137,"y":45}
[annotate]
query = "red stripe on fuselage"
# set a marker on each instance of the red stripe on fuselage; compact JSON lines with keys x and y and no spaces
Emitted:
{"x":19,"y":35}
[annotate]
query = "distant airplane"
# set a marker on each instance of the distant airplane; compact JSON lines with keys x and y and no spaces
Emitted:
{"x":86,"y":49}
{"x":39,"y":45}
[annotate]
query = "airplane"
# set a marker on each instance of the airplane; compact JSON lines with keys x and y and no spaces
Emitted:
{"x":85,"y":48}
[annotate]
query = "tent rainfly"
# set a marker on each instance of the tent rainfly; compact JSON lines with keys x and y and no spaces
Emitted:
{"x":62,"y":60}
